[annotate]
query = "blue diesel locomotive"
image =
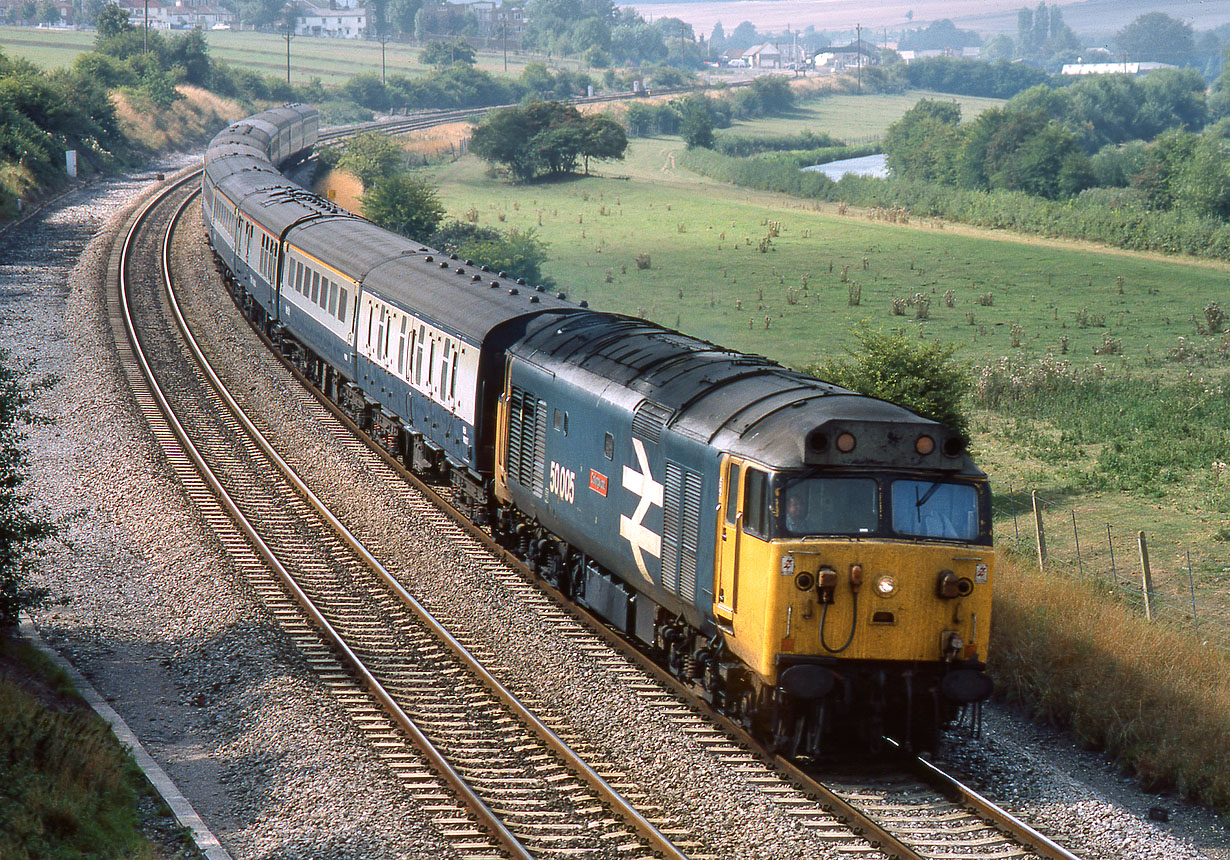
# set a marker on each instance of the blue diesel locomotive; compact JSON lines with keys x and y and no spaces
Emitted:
{"x":815,"y":562}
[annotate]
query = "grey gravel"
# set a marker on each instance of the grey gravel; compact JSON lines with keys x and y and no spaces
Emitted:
{"x":147,"y":605}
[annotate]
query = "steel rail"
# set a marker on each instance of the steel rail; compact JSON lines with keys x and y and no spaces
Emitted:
{"x":472,"y":800}
{"x":647,"y":829}
{"x":996,"y":815}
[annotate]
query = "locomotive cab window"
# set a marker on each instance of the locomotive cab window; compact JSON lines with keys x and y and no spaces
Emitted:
{"x":560,"y":422}
{"x":608,"y":446}
{"x":828,"y":506}
{"x":938,"y":509}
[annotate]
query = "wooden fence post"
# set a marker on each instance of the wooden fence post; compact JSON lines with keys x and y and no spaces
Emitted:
{"x":1039,"y":531}
{"x":1146,"y":577}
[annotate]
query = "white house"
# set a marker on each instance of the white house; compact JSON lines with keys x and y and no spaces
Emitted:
{"x":344,"y":23}
{"x":1134,"y":69}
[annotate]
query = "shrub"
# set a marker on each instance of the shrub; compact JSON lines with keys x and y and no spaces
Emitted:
{"x":921,"y":376}
{"x":404,"y":205}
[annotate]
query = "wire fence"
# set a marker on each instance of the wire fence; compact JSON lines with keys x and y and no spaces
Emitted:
{"x":1182,"y":586}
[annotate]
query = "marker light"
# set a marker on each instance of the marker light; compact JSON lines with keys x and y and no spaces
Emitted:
{"x":924,"y":445}
{"x":885,"y":585}
{"x":845,"y":443}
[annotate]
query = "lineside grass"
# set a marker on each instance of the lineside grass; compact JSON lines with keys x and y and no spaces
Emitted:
{"x":1078,"y":658}
{"x":67,"y":788}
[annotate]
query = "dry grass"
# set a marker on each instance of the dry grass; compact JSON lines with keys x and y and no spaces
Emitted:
{"x":192,"y":119}
{"x":340,"y":187}
{"x":1156,"y":698}
{"x":430,"y":143}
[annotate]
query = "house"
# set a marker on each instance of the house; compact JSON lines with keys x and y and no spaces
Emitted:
{"x":338,"y":23}
{"x":766,"y":56}
{"x":182,"y":15}
{"x":497,"y":20}
{"x":839,"y":58}
{"x":1134,"y":69}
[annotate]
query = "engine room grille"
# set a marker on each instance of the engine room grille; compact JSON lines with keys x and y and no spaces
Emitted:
{"x":649,"y":420}
{"x":527,"y":440}
{"x":680,"y":530}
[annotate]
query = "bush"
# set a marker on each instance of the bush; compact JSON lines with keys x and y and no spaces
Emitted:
{"x":403,"y":204}
{"x":921,"y":376}
{"x":21,"y":527}
{"x":518,"y":254}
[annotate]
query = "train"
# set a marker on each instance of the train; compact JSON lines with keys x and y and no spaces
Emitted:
{"x":815,"y":563}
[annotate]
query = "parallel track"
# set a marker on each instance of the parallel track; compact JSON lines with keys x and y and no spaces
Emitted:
{"x":901,"y":818}
{"x":525,"y":792}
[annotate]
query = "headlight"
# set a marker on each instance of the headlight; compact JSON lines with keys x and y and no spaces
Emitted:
{"x":885,"y":585}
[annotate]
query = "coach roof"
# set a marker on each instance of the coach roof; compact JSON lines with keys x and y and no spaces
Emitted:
{"x":455,"y":295}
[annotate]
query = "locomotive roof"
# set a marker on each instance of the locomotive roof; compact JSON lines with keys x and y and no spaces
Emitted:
{"x":741,"y":403}
{"x":468,"y":300}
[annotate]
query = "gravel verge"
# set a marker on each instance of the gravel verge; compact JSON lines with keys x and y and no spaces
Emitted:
{"x":148,"y":607}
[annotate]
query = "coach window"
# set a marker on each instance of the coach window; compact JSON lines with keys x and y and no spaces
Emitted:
{"x":298,"y":277}
{"x":332,"y":298}
{"x":401,"y":349}
{"x":343,"y":302}
{"x":755,"y":507}
{"x":418,"y":356}
{"x":315,"y":287}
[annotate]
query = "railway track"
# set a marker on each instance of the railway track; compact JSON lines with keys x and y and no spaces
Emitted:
{"x":401,"y":677}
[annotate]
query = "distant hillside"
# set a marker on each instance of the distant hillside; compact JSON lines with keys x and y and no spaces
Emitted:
{"x":1086,"y":17}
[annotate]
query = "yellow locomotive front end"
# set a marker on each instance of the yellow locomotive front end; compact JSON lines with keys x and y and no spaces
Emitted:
{"x":857,"y":593}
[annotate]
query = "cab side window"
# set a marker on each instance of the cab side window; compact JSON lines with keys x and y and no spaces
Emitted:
{"x":755,"y":503}
{"x":732,"y":494}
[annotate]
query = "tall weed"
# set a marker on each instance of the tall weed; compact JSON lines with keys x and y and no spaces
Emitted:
{"x":1155,"y":698}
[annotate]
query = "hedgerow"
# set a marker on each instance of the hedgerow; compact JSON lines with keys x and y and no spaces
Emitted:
{"x":1115,"y":220}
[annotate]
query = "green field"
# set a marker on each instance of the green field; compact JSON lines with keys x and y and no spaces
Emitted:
{"x":1110,"y":314}
{"x":711,"y":275}
{"x":334,"y":61}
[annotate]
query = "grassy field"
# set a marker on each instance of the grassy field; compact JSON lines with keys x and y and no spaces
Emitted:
{"x":334,"y":61}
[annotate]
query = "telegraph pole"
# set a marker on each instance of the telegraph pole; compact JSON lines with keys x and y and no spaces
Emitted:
{"x":289,"y":35}
{"x":504,"y":35}
{"x":145,"y":37}
{"x":858,"y":47}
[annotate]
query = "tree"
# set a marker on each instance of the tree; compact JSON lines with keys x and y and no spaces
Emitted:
{"x":603,"y":139}
{"x":546,"y":137}
{"x":922,"y":376}
{"x":112,"y":21}
{"x":403,"y":204}
{"x":1219,"y":97}
{"x":371,"y":157}
{"x":441,"y":54}
{"x":1158,"y":37}
{"x":48,"y":13}
{"x":925,"y":143}
{"x":21,"y":528}
{"x":190,"y":52}
{"x":697,"y":126}
{"x":1203,"y":186}
{"x":941,"y":35}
